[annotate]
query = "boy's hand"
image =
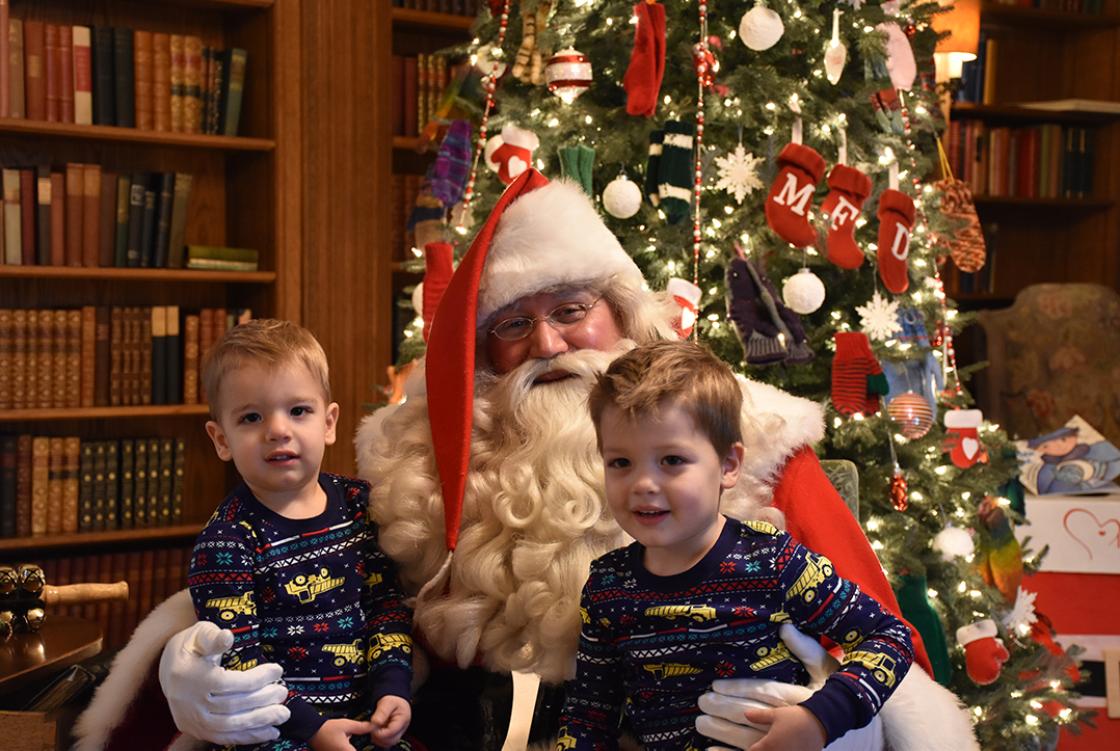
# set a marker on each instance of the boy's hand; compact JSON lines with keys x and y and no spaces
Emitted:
{"x":790,"y":727}
{"x":389,"y":721}
{"x":334,"y":735}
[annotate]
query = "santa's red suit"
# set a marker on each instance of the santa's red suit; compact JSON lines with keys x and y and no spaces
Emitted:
{"x":502,"y":567}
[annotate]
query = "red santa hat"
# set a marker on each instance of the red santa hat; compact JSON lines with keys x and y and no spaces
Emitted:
{"x":540,"y":235}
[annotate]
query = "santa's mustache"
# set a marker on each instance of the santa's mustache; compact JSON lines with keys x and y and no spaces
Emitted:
{"x":583,"y":367}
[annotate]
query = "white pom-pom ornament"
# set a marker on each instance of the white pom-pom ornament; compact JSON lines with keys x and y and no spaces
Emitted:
{"x":761,"y":28}
{"x":622,"y":198}
{"x":954,"y":542}
{"x":418,"y":299}
{"x":803,"y":292}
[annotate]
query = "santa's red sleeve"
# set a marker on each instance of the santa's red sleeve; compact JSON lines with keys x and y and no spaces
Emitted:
{"x":818,"y":518}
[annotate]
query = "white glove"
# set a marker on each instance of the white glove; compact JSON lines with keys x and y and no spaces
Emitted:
{"x":725,"y":705}
{"x":208,"y":702}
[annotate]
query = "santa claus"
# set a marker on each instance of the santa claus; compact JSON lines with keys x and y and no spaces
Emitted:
{"x":488,"y":492}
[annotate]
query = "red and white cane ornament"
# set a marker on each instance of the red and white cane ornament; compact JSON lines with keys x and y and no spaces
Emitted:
{"x":568,"y":74}
{"x":490,"y":85}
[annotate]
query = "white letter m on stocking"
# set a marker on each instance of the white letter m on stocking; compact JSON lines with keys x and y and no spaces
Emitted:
{"x":790,"y":196}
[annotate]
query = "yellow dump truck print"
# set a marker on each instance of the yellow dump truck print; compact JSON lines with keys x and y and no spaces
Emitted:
{"x":231,"y":607}
{"x":583,"y":615}
{"x":374,"y":579}
{"x":770,"y":656}
{"x":382,"y":643}
{"x":816,"y":569}
{"x":670,"y":669}
{"x":235,"y":663}
{"x":882,"y":666}
{"x":698,"y":613}
{"x":564,"y":740}
{"x":309,"y":586}
{"x":345,"y":653}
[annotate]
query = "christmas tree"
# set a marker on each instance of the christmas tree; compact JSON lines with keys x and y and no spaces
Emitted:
{"x":740,"y":150}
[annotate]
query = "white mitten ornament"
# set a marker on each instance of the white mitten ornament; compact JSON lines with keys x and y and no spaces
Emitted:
{"x":511,"y":152}
{"x":984,"y":653}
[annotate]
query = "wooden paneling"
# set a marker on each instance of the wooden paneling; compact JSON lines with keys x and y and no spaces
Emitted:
{"x":346,"y":147}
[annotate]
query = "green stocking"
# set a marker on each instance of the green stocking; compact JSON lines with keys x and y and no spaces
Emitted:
{"x":576,"y":163}
{"x":916,"y":608}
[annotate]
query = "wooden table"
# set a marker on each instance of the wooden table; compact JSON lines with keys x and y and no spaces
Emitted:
{"x":26,"y":659}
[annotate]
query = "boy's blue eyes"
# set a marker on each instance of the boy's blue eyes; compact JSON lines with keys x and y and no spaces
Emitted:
{"x":253,"y":417}
{"x":672,"y":460}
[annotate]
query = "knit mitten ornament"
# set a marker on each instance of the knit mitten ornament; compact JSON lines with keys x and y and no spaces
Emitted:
{"x":848,"y":188}
{"x":984,"y":653}
{"x":857,"y":378}
{"x":527,"y":63}
{"x":962,"y":441}
{"x":687,"y":296}
{"x":515,"y":153}
{"x":653,"y":166}
{"x":642,"y":80}
{"x":437,"y":273}
{"x":787,"y":207}
{"x":453,"y":164}
{"x":914,"y":602}
{"x":770,"y":332}
{"x":674,"y":184}
{"x":896,"y":217}
{"x":966,"y":244}
{"x":576,"y":163}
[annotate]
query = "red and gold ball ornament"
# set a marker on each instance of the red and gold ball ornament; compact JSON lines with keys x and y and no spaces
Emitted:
{"x":568,"y":74}
{"x":912,"y":413}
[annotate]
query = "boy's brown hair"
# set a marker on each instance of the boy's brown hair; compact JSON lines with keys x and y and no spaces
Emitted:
{"x":649,"y":378}
{"x":263,"y":341}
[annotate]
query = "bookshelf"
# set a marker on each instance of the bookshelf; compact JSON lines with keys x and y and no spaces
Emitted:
{"x":246,"y":193}
{"x":1067,"y":233}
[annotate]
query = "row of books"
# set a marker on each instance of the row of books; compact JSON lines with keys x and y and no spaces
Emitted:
{"x":152,"y":576}
{"x":84,"y":215}
{"x":978,"y":77}
{"x":102,"y":356}
{"x":1042,"y":161}
{"x":52,"y":485}
{"x":406,"y":188}
{"x":456,"y":7}
{"x":132,"y":78}
{"x":418,"y":85}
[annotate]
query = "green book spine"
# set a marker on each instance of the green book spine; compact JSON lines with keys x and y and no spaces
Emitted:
{"x":233,"y":89}
{"x":86,"y":487}
{"x":153,"y":482}
{"x":126,"y":472}
{"x":166,"y":466}
{"x":140,"y":483}
{"x":99,"y":491}
{"x":176,"y":244}
{"x":179,"y":476}
{"x":112,"y":486}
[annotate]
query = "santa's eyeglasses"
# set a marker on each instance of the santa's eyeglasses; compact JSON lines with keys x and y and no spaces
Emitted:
{"x":559,"y":318}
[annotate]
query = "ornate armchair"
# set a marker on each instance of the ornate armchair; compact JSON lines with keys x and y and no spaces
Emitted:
{"x":1054,"y":353}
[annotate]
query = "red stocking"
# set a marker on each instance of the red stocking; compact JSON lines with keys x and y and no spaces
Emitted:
{"x":848,"y":188}
{"x":787,"y":206}
{"x":647,"y":62}
{"x":896,"y":217}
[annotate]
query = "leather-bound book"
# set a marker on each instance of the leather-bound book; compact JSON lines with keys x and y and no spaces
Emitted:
{"x":104,"y":82}
{"x":161,"y":81}
{"x":142,"y":67}
{"x":123,"y":77}
{"x":91,"y":215}
{"x":88,"y":357}
{"x":35,"y":69}
{"x":82,"y":52}
{"x":72,"y":216}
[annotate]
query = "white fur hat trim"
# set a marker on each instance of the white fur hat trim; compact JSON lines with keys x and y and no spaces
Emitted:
{"x":550,"y":237}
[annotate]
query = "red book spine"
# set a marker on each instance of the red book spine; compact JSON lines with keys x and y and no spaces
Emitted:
{"x":66,"y":73}
{"x":83,"y":76}
{"x":5,"y":62}
{"x":35,"y":84}
{"x":75,"y":184}
{"x":58,"y":219}
{"x":53,"y":74}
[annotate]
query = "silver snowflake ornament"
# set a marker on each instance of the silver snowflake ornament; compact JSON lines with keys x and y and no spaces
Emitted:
{"x":879,"y":318}
{"x":738,"y":173}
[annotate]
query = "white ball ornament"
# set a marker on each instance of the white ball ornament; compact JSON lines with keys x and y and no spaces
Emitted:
{"x":954,"y":542}
{"x":761,"y":28}
{"x":803,"y":292}
{"x":622,"y":198}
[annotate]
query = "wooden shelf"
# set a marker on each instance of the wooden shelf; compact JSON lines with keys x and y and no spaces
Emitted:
{"x":101,"y":413}
{"x":428,"y":20}
{"x":1085,"y":204}
{"x":90,"y":539}
{"x":1011,"y":15}
{"x":42,"y":129}
{"x":1015,"y":114}
{"x":138,"y":275}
